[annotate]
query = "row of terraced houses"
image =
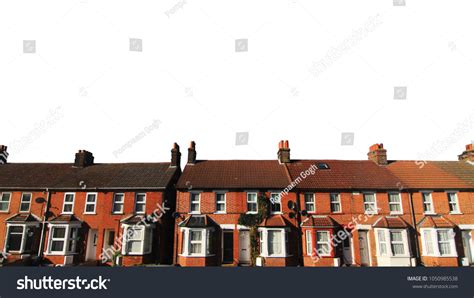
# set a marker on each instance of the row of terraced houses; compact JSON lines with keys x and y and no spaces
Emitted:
{"x":373,"y":212}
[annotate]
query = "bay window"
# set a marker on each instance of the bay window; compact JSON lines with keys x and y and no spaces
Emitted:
{"x":309,"y":243}
{"x":197,"y":242}
{"x":273,"y":242}
{"x":438,"y":242}
{"x":137,"y":239}
{"x":323,"y":246}
{"x":63,"y":239}
{"x":20,"y":238}
{"x":392,"y":242}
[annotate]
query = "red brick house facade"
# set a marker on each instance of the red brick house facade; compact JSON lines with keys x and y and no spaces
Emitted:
{"x":375,"y":212}
{"x":88,"y":212}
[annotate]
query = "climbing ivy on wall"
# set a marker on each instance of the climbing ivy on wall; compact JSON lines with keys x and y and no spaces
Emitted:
{"x":253,"y":221}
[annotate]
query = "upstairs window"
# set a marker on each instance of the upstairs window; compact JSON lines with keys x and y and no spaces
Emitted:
{"x":25,"y":202}
{"x":427,"y":203}
{"x":370,"y":205}
{"x":220,"y":202}
{"x":140,"y":203}
{"x":5,"y":202}
{"x":309,"y":202}
{"x":395,"y":203}
{"x":68,"y":205}
{"x":335,"y":203}
{"x":91,"y":201}
{"x":453,"y":202}
{"x":275,"y":203}
{"x":195,"y":202}
{"x":252,"y":203}
{"x":117,"y":207}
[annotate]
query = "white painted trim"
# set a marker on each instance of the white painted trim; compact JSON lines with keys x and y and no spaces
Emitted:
{"x":435,"y":243}
{"x":363,"y":227}
{"x":241,"y":227}
{"x":215,"y":196}
{"x":143,"y":203}
{"x":401,"y":203}
{"x":118,"y":202}
{"x":69,"y":203}
{"x":89,"y":203}
{"x":9,"y":201}
{"x":375,"y":202}
{"x":227,"y":226}
{"x":29,"y":204}
{"x":466,"y":227}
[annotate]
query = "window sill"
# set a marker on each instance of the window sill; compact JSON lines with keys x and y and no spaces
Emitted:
{"x":455,"y":213}
{"x":275,"y":256}
{"x":220,"y":212}
{"x":196,"y":256}
{"x":90,"y":213}
{"x":252,"y":212}
{"x":396,"y":213}
{"x":440,"y":256}
{"x":6,"y":211}
{"x":117,"y":213}
{"x":61,"y":253}
{"x":429,"y":213}
{"x":276,"y":213}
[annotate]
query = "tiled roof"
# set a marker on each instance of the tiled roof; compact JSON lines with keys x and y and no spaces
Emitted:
{"x":233,"y":174}
{"x":275,"y":221}
{"x":343,"y":174}
{"x":23,"y":218}
{"x":134,"y":219}
{"x":197,"y":221}
{"x":65,"y":218}
{"x":49,"y":175}
{"x":319,"y":222}
{"x":435,"y":222}
{"x":433,"y":174}
{"x":392,"y":222}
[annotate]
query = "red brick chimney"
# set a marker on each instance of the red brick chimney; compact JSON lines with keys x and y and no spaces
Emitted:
{"x":284,"y":152}
{"x":467,"y":155}
{"x":192,"y":153}
{"x":3,"y":154}
{"x":83,"y":159}
{"x":377,"y":154}
{"x":175,"y":156}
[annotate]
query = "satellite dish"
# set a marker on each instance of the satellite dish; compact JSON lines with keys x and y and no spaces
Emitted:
{"x":291,"y":205}
{"x":292,"y":215}
{"x":40,"y":200}
{"x":175,"y":215}
{"x":304,"y":213}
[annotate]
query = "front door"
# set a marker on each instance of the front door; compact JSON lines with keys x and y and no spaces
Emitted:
{"x":244,"y":247}
{"x":347,"y":249}
{"x":364,"y":248}
{"x":91,"y":245}
{"x":228,"y":247}
{"x":109,"y":240}
{"x":467,"y":244}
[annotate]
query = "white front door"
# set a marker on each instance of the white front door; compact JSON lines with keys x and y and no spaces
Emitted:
{"x":468,"y":247}
{"x":347,"y":249}
{"x":244,"y":247}
{"x":91,"y":245}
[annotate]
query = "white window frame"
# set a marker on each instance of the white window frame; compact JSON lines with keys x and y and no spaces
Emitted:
{"x":337,"y":201}
{"x":309,"y":242}
{"x":23,"y":236}
{"x":205,"y":242}
{"x":195,"y":202}
{"x":435,"y":242}
{"x":146,"y":231}
{"x":90,"y":203}
{"x":265,"y":243}
{"x":121,"y":203}
{"x":388,"y":243}
{"x":65,"y":239}
{"x":7,"y":202}
{"x":217,"y":193}
{"x":274,"y":203}
{"x":68,"y":203}
{"x":455,"y":202}
{"x":328,"y":243}
{"x":311,"y":203}
{"x":140,"y":194}
{"x":375,"y":211}
{"x":252,"y":202}
{"x":399,"y":203}
{"x":24,"y":202}
{"x":429,"y":202}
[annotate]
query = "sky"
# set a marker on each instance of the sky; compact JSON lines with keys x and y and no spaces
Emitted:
{"x":127,"y":79}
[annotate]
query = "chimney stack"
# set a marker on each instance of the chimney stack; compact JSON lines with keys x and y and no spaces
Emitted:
{"x":3,"y":154}
{"x":377,"y":154}
{"x":175,"y":156}
{"x":83,"y":159}
{"x":467,"y":155}
{"x":192,"y":153}
{"x":284,"y":152}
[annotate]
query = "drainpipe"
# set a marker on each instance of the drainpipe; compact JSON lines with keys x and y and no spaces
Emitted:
{"x":299,"y":229}
{"x":417,"y":249}
{"x":43,"y":225}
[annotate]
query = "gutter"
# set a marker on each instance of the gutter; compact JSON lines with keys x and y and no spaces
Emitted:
{"x":43,"y":225}
{"x":417,"y":248}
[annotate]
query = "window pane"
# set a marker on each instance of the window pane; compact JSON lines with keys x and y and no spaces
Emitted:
{"x":57,"y":246}
{"x":14,"y":238}
{"x":428,"y":242}
{"x":445,"y":248}
{"x":398,"y":249}
{"x":134,"y":246}
{"x":196,"y":235}
{"x":59,"y":232}
{"x":396,"y":236}
{"x":196,"y":248}
{"x":30,"y":237}
{"x":274,"y":242}
{"x":90,"y":208}
{"x":91,"y":197}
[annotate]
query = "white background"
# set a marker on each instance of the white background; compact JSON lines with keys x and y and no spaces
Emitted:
{"x":85,"y":89}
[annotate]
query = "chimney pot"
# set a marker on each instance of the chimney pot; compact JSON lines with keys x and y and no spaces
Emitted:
{"x":3,"y":154}
{"x":378,"y":154}
{"x":175,"y":156}
{"x":192,"y":153}
{"x":283,"y":152}
{"x":467,"y":155}
{"x":83,"y":159}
